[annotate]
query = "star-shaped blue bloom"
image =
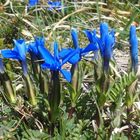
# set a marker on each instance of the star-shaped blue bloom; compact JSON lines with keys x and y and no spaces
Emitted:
{"x":18,"y":53}
{"x":53,"y":62}
{"x":80,"y":51}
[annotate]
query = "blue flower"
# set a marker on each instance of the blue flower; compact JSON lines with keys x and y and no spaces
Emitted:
{"x":18,"y":53}
{"x":80,"y":51}
{"x":104,"y":31}
{"x":53,"y":62}
{"x":54,"y":5}
{"x":33,"y":47}
{"x":88,"y":48}
{"x":35,"y":54}
{"x":33,"y":2}
{"x":133,"y":48}
{"x":91,"y":35}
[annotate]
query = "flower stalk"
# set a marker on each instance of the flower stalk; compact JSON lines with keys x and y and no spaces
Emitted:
{"x":30,"y":90}
{"x":54,"y":94}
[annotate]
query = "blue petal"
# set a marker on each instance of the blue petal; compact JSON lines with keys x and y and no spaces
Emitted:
{"x":40,"y":41}
{"x":53,"y":67}
{"x":103,"y":31}
{"x":33,"y":2}
{"x":134,"y":48}
{"x":49,"y":59}
{"x":108,"y":46}
{"x":103,"y":28}
{"x":64,"y":52}
{"x":89,"y":35}
{"x":70,"y":55}
{"x":45,"y":66}
{"x":107,"y":51}
{"x":32,"y":47}
{"x":16,"y":43}
{"x":66,"y":74}
{"x":75,"y":59}
{"x":133,"y":37}
{"x":94,"y":36}
{"x":10,"y":54}
{"x":20,"y":48}
{"x":90,"y":47}
{"x":74,"y":35}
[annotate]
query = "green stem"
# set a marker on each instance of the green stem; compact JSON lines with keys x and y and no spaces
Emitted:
{"x":43,"y":83}
{"x":35,"y":66}
{"x":30,"y":90}
{"x":54,"y":95}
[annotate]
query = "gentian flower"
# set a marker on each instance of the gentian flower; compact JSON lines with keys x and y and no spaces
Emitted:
{"x":33,"y":47}
{"x":18,"y":53}
{"x":91,"y":35}
{"x":35,"y":56}
{"x":104,"y":31}
{"x":54,"y":5}
{"x":53,"y":62}
{"x":33,"y":2}
{"x":133,"y":48}
{"x":81,"y":51}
